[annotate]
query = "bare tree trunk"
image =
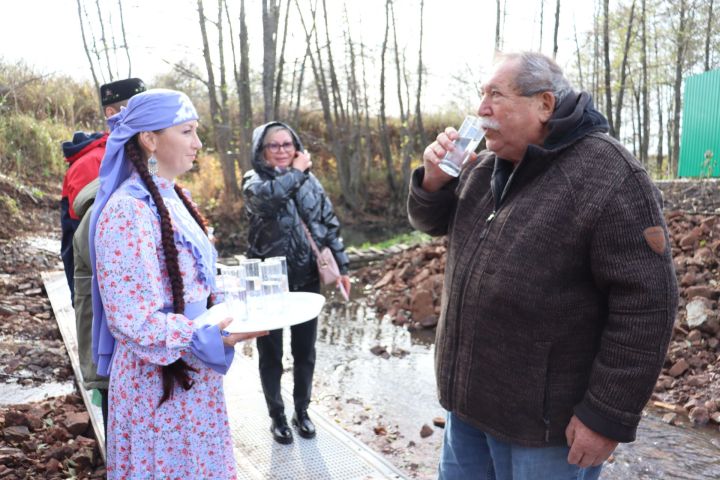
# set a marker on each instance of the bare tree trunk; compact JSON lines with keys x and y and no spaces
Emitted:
{"x":497,"y":26}
{"x":623,"y":74}
{"x":357,"y":160}
{"x":317,"y":70}
{"x":224,"y":7}
{"x":334,"y":86}
{"x":85,"y":46}
{"x":579,"y":61}
{"x":384,"y":134}
{"x":114,"y":48}
{"x":296,"y":115}
{"x":124,"y":36}
{"x":270,"y":19}
{"x":708,"y":35}
{"x":659,"y":156}
{"x":636,"y":122}
{"x":321,"y":81}
{"x":606,"y":48}
{"x":405,"y":142}
{"x":103,"y":39}
{"x":223,"y":77}
{"x":645,"y":129}
{"x":398,"y":81}
{"x":281,"y":63}
{"x":418,"y":112}
{"x":596,"y":54}
{"x":660,"y":107}
{"x":242,"y":85}
{"x":218,"y":117}
{"x":557,"y":26}
{"x":95,"y":50}
{"x":366,"y":104}
{"x":669,"y":127}
{"x":679,"y":67}
{"x":224,"y":125}
{"x":542,"y":21}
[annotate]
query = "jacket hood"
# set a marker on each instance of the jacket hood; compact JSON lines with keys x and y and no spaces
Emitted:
{"x":574,"y":118}
{"x":258,"y":160}
{"x":86,"y":198}
{"x":81,"y":143}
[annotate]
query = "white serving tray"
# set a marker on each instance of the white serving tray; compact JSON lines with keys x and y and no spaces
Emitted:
{"x":291,"y":309}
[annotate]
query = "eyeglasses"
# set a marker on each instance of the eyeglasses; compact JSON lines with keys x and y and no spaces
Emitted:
{"x":275,"y":147}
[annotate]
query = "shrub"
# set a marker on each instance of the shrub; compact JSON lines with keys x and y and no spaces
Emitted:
{"x":205,"y":183}
{"x":31,"y":148}
{"x":8,"y":206}
{"x":22,"y":90}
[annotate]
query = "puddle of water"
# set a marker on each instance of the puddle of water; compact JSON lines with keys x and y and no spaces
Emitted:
{"x":13,"y":393}
{"x":665,"y":451}
{"x":367,"y":391}
{"x":401,"y":391}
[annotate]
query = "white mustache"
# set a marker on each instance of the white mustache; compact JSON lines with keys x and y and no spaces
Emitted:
{"x":488,"y":123}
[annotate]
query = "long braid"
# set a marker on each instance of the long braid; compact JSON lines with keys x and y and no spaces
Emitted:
{"x":195,"y":213}
{"x":191,"y":208}
{"x":178,"y":370}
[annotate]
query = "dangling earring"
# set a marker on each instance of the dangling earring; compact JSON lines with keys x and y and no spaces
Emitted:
{"x":152,"y":164}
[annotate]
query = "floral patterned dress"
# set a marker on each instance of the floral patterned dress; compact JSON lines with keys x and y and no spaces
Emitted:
{"x":188,"y":436}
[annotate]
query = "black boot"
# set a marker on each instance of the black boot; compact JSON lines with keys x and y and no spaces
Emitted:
{"x":305,"y":426}
{"x":280,"y":430}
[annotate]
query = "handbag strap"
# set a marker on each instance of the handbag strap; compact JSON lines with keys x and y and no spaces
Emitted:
{"x":313,"y":245}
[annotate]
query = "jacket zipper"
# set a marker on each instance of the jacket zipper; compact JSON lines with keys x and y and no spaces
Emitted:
{"x":490,"y":218}
{"x":463,"y":280}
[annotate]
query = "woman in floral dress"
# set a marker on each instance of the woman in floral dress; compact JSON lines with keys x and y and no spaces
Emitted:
{"x":153,"y":274}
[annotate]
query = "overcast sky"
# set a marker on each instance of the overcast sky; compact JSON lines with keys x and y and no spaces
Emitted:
{"x":46,"y":35}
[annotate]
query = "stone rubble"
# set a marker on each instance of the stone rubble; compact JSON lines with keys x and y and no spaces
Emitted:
{"x":51,"y":438}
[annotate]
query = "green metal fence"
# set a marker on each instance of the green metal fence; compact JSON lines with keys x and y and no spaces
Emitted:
{"x":700,"y":142}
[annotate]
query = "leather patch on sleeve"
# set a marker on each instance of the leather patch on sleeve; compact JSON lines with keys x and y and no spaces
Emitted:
{"x":655,"y":237}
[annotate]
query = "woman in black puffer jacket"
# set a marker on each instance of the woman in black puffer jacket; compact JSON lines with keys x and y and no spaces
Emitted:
{"x":280,"y":194}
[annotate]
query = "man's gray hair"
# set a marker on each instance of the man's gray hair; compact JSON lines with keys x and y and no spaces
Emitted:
{"x":538,"y":73}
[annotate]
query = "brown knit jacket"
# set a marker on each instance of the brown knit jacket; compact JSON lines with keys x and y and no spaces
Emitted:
{"x":563,"y":303}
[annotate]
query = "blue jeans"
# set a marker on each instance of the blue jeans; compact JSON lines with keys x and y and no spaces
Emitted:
{"x":468,"y":453}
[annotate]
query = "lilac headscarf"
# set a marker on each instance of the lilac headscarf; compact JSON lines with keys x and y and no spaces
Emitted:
{"x":146,"y":112}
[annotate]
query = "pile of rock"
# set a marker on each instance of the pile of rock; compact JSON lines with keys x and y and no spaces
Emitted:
{"x":690,"y":380}
{"x":691,"y":195}
{"x":407,"y":287}
{"x":49,"y":439}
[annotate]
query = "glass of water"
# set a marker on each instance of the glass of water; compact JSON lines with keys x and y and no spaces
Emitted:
{"x":271,"y":276}
{"x":283,"y":276}
{"x":235,"y":291}
{"x":470,"y":134}
{"x":251,"y":267}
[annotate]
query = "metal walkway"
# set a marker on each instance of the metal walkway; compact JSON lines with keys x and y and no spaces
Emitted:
{"x":332,"y":454}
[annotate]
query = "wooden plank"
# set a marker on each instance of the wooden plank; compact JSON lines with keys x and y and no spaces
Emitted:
{"x":59,"y":294}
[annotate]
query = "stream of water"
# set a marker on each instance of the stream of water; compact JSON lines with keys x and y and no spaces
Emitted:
{"x":401,"y":390}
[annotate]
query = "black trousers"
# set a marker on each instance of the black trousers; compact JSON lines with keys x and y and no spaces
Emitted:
{"x":302,"y":344}
{"x":68,"y":226}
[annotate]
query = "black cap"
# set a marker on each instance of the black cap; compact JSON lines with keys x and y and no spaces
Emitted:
{"x":114,"y":92}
